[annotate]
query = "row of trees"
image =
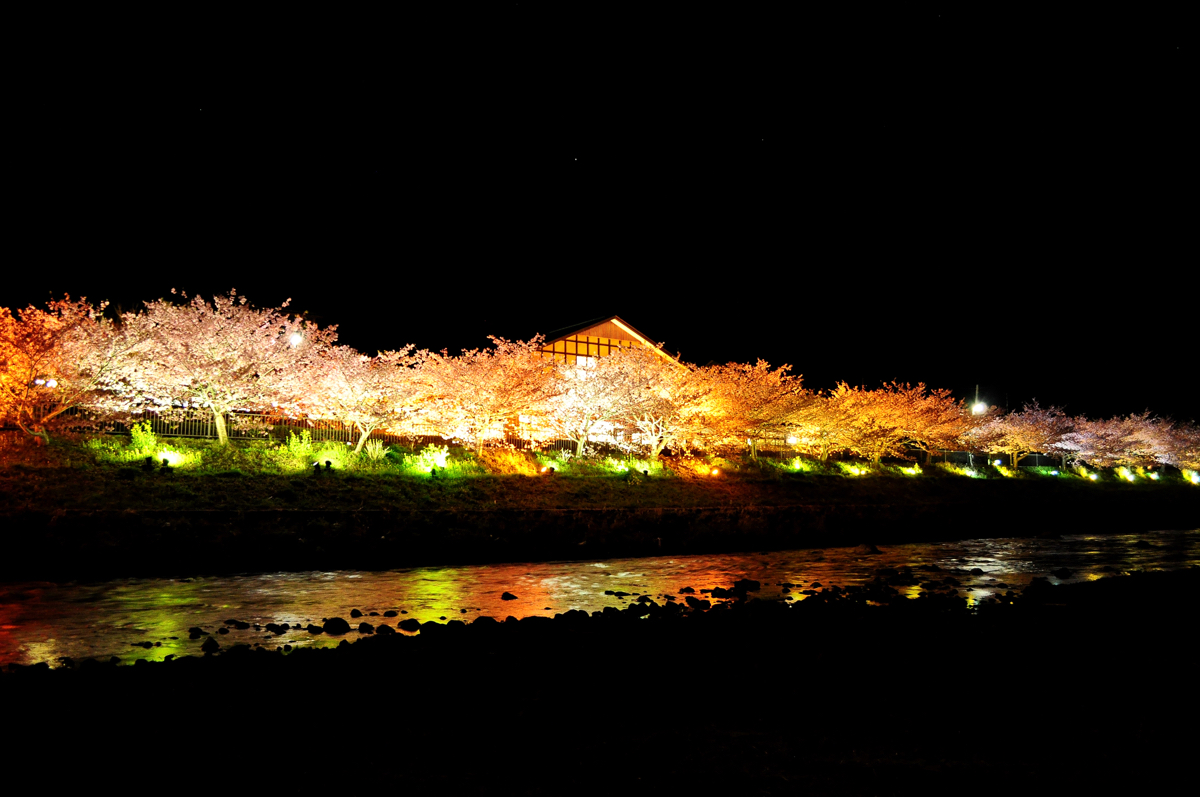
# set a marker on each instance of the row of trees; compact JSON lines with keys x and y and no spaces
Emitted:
{"x":1132,"y":441}
{"x":225,"y":356}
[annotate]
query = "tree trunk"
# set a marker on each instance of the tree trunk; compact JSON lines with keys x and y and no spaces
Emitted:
{"x":362,"y":438}
{"x":753,"y":442}
{"x":36,"y":431}
{"x":580,"y":442}
{"x":219,"y":422}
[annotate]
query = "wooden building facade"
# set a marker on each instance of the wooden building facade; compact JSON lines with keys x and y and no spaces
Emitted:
{"x":583,"y":343}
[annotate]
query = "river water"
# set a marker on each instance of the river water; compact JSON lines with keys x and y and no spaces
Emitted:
{"x":45,"y":622}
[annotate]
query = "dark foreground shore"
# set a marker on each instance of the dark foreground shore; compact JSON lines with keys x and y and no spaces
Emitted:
{"x":49,"y":543}
{"x":1068,"y":688}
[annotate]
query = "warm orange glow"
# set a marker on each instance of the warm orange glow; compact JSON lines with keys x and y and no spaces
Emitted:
{"x":648,"y":344}
{"x":715,"y":472}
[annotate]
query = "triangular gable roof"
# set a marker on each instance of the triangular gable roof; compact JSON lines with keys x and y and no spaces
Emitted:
{"x":607,"y":327}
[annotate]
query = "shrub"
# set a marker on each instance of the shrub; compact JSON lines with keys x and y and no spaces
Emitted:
{"x":960,"y":470}
{"x":142,"y":437}
{"x":342,"y":456}
{"x":375,"y":451}
{"x":507,"y":461}
{"x":853,"y":468}
{"x":299,"y":446}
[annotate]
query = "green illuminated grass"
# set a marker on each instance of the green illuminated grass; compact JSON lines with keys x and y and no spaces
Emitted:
{"x":110,"y":473}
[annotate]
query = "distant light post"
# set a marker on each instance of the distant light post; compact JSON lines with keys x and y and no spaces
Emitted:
{"x":978,"y":408}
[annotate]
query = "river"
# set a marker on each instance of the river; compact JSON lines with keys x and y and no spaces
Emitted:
{"x":45,"y":622}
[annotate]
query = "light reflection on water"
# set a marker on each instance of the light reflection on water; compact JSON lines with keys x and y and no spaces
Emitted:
{"x":43,"y":622}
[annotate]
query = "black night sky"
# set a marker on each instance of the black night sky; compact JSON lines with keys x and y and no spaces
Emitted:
{"x":960,"y":200}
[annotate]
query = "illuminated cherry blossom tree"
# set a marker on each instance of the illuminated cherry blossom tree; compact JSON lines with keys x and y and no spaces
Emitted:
{"x":928,"y":418}
{"x":225,"y":355}
{"x":370,"y":392}
{"x":1129,"y":441}
{"x":595,"y":392}
{"x":1032,"y":430}
{"x":1183,"y":447}
{"x":55,"y":359}
{"x":472,"y":396}
{"x":670,"y":406}
{"x":747,"y":403}
{"x":888,"y":421}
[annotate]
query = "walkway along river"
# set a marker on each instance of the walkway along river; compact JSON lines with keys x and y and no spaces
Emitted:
{"x":150,"y":618}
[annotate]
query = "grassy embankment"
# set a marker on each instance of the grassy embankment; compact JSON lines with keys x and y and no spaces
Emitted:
{"x":96,"y":507}
{"x":106,"y":474}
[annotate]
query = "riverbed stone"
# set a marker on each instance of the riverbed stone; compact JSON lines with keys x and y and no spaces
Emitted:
{"x":211,"y":645}
{"x":508,"y":596}
{"x":336,"y":626}
{"x":411,"y":624}
{"x":355,"y":613}
{"x":384,"y":629}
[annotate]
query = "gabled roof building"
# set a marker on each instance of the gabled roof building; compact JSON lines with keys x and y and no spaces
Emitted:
{"x":588,"y":340}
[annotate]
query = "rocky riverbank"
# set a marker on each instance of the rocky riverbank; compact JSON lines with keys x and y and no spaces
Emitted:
{"x":847,"y":692}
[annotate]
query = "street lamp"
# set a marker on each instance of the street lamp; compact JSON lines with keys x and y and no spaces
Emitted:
{"x":978,"y":408}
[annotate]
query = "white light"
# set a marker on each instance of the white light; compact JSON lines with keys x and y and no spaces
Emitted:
{"x":1053,"y":473}
{"x":996,"y":463}
{"x":1154,"y":476}
{"x":39,"y":381}
{"x":978,"y":408}
{"x":1092,"y":476}
{"x":791,"y":441}
{"x":295,"y":339}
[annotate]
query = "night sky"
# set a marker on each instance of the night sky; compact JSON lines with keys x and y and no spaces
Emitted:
{"x":984,"y":199}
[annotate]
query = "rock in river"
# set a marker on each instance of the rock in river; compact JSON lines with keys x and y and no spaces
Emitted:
{"x":336,"y":625}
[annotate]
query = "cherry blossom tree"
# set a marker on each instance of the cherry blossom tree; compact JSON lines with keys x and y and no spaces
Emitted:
{"x":750,"y":402}
{"x":473,"y":395}
{"x":225,"y":355}
{"x":1183,"y":446}
{"x":887,"y":421}
{"x":1131,"y":441}
{"x":671,"y":405}
{"x":819,"y":425}
{"x":55,"y":359}
{"x":369,"y":392}
{"x":928,"y":418}
{"x":595,"y":392}
{"x":1032,"y":430}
